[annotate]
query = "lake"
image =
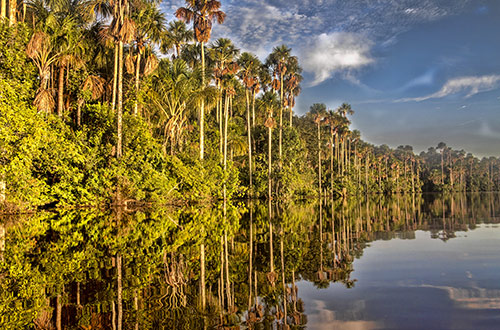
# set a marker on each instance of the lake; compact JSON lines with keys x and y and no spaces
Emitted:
{"x":400,"y":262}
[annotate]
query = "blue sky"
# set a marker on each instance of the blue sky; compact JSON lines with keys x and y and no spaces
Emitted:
{"x":416,"y":72}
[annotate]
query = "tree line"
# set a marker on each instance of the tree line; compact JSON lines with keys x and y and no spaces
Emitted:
{"x":106,"y":101}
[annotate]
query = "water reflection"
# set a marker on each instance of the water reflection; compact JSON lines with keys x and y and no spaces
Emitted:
{"x":252,"y":265}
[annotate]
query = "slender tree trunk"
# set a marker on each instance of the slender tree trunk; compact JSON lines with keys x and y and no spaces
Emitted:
{"x":202,"y":275}
{"x":202,"y":107}
{"x":222,"y":267}
{"x":119,"y":111}
{"x":59,"y":312}
{"x":331,"y":166}
{"x":271,"y":251}
{"x":119,"y":290}
{"x":253,"y":108}
{"x":12,"y":12}
{"x":3,"y":9}
{"x":60,"y":92}
{"x":281,"y":122}
{"x":137,"y":72}
{"x":291,"y":116}
{"x":250,"y":259}
{"x":269,"y":159}
{"x":221,"y":122}
{"x":442,"y":168}
{"x":283,"y":278}
{"x":249,"y":133}
{"x":115,"y":77}
{"x":226,"y":119}
{"x":319,"y":159}
{"x":228,"y":283}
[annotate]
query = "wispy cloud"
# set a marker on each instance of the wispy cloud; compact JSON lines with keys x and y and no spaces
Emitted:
{"x":471,"y":85}
{"x":260,"y":25}
{"x":328,"y":53}
{"x":424,"y":79}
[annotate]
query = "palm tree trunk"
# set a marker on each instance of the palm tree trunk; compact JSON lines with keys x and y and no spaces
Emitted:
{"x":271,"y":252}
{"x":228,"y":283}
{"x":60,"y":92}
{"x":202,"y":107}
{"x":119,"y":291}
{"x":249,"y":133}
{"x":269,"y":168}
{"x":59,"y":312}
{"x":283,"y":278}
{"x":119,"y":112}
{"x":202,"y":275}
{"x":115,"y":78}
{"x":3,"y":9}
{"x":253,"y":108}
{"x":250,"y":261}
{"x":12,"y":12}
{"x":137,"y":71}
{"x":226,"y":118}
{"x":331,"y":166}
{"x":319,"y":159}
{"x":281,"y":122}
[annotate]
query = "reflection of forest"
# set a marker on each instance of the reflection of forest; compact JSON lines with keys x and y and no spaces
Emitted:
{"x":145,"y":270}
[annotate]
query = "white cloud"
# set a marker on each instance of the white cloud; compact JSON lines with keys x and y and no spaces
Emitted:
{"x":471,"y":85}
{"x":338,"y":51}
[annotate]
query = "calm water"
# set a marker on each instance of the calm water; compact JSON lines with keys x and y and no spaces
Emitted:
{"x":423,"y":262}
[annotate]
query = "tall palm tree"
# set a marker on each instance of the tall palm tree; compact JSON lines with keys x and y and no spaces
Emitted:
{"x":150,"y":24}
{"x":277,"y":62}
{"x":292,"y":85}
{"x":176,"y":36}
{"x":318,"y":113}
{"x":223,"y":52}
{"x":332,"y":121}
{"x":269,"y":103}
{"x":201,"y":12}
{"x":248,"y":74}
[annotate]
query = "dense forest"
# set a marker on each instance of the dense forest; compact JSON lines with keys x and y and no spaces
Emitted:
{"x":105,"y":102}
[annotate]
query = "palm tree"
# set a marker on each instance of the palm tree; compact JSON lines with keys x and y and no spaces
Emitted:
{"x":269,"y":102}
{"x":223,"y":52}
{"x":277,"y":61}
{"x":201,"y":12}
{"x":292,"y":84}
{"x":332,"y":121}
{"x":248,"y":74}
{"x":173,"y":92}
{"x":41,"y":50}
{"x":443,"y":147}
{"x":317,"y":112}
{"x":150,"y":24}
{"x":176,"y":36}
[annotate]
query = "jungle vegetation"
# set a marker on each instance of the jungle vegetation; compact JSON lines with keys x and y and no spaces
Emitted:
{"x":105,"y":102}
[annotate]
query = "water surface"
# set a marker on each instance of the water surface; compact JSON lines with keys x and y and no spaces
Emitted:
{"x":401,"y":262}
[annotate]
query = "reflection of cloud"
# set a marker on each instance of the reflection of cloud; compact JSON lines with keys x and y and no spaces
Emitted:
{"x":329,"y":53}
{"x":472,"y":85}
{"x":323,"y":318}
{"x":472,"y":298}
